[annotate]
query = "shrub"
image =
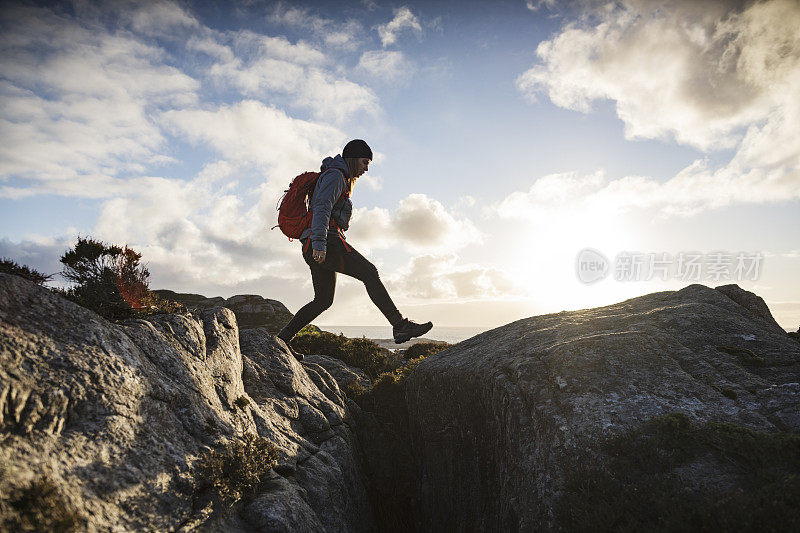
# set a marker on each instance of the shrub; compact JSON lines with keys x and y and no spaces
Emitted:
{"x":241,"y":402}
{"x":642,"y":487}
{"x":387,"y":394}
{"x":8,"y":266}
{"x":361,"y":353}
{"x":109,"y":280}
{"x":424,"y":349}
{"x":39,"y":506}
{"x":234,"y":472}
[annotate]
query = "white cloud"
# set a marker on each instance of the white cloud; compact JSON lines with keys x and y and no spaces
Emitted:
{"x":439,"y":276}
{"x":699,"y":72}
{"x":272,"y":66}
{"x":403,"y":20}
{"x":370,"y":181}
{"x":388,"y":67}
{"x":160,"y":18}
{"x":332,"y":33}
{"x":419,"y":223}
{"x":535,"y":5}
{"x":251,"y":133}
{"x":77,"y":102}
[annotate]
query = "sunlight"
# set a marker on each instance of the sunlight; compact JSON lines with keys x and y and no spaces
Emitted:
{"x":545,"y":267}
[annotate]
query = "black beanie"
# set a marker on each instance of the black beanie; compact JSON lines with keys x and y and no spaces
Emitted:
{"x":357,"y":148}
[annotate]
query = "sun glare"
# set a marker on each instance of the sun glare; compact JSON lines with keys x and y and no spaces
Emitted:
{"x":546,"y":268}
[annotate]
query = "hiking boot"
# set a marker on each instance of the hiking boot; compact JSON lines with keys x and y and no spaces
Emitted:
{"x":407,"y":330}
{"x":297,"y":355}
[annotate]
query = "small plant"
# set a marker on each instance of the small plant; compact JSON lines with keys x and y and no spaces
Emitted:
{"x":40,"y":506}
{"x":361,"y":353}
{"x":109,"y":280}
{"x":424,"y":349}
{"x":235,"y":471}
{"x":354,"y":390}
{"x":241,"y":402}
{"x":8,"y":266}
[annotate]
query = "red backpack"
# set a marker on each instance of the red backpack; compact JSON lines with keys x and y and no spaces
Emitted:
{"x":294,"y":215}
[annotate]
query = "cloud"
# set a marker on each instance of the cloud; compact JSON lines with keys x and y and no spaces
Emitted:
{"x":41,"y":254}
{"x":388,"y":67}
{"x":438,"y":276}
{"x":691,"y":191}
{"x":699,"y":79}
{"x":699,"y":72}
{"x":77,"y":100}
{"x":270,"y":67}
{"x":535,"y":5}
{"x":419,"y":223}
{"x":200,"y":231}
{"x":252,"y":133}
{"x":336,"y":34}
{"x":403,"y":20}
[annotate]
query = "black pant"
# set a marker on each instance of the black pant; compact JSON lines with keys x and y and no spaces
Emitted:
{"x":323,"y":276}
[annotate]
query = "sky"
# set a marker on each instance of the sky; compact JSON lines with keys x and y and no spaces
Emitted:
{"x":530,"y":157}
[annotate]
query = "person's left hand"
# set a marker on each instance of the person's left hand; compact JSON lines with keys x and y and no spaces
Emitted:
{"x":318,"y":256}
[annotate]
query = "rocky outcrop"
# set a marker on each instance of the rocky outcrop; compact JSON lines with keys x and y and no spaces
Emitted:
{"x":501,"y":422}
{"x":115,"y":417}
{"x":251,"y":310}
{"x":345,"y":375}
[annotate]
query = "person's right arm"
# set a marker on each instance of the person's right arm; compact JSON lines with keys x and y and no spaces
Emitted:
{"x":330,"y":187}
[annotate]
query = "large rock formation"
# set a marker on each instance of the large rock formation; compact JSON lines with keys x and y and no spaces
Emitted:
{"x":251,"y":310}
{"x":105,"y":422}
{"x":503,"y":423}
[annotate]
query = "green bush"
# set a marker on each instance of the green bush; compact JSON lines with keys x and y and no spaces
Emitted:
{"x":387,"y":395}
{"x":109,"y":280}
{"x":8,"y":266}
{"x":643,"y":485}
{"x":234,"y":472}
{"x":361,"y":353}
{"x":424,"y":349}
{"x":40,"y":506}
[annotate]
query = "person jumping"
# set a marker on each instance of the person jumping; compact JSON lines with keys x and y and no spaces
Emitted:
{"x":326,"y":252}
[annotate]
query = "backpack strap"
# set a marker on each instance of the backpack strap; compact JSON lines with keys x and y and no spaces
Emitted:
{"x":345,"y":192}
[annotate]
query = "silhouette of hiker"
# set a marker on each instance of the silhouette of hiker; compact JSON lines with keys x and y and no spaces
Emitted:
{"x":326,"y":252}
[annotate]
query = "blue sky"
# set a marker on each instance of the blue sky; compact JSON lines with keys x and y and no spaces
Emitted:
{"x":508,"y":137}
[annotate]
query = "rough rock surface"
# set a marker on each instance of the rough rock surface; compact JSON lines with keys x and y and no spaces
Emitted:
{"x":116,"y":416}
{"x":251,"y":310}
{"x":344,"y":374}
{"x":514,"y":405}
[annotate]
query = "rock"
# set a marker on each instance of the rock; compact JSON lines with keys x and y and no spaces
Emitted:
{"x":501,"y":423}
{"x":251,"y":310}
{"x":116,"y":416}
{"x":344,"y":374}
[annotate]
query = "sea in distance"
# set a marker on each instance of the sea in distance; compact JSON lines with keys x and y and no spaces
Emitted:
{"x":447,"y":334}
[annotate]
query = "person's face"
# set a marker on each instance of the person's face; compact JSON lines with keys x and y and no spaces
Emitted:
{"x":363,"y":166}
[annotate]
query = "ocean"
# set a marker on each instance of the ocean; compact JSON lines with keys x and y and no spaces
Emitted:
{"x":446,"y":334}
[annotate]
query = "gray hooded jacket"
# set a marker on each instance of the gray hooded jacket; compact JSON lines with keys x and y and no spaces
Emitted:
{"x":325,"y":202}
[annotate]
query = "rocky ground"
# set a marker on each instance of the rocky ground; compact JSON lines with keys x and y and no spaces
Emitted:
{"x":104,"y":426}
{"x":251,"y":310}
{"x":501,"y":423}
{"x":672,"y":411}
